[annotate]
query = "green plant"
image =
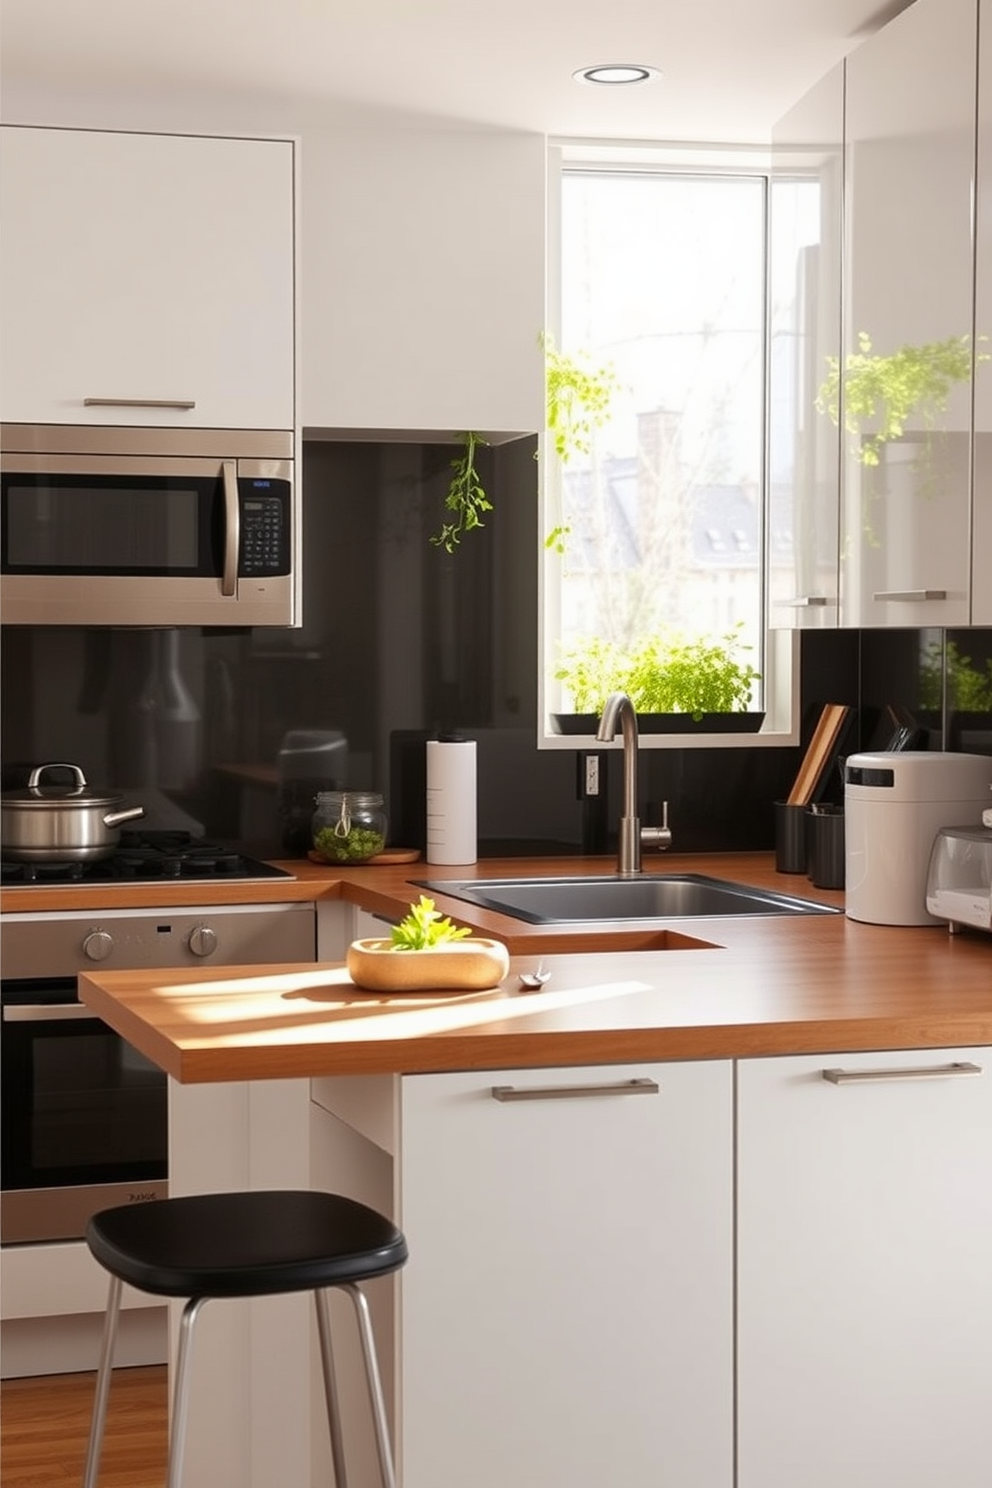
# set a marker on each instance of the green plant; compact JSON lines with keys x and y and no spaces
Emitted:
{"x":675,"y":674}
{"x":424,"y":928}
{"x":577,"y":400}
{"x":466,"y":496}
{"x":914,"y":379}
{"x":968,"y":689}
{"x":578,"y":397}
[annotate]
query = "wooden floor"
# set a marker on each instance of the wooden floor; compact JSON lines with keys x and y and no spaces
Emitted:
{"x":44,"y":1425}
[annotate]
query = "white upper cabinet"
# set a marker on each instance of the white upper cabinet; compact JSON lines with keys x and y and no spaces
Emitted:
{"x":147,"y":270}
{"x":908,"y":302}
{"x":981,"y":583}
{"x":806,"y":227}
{"x":423,"y":271}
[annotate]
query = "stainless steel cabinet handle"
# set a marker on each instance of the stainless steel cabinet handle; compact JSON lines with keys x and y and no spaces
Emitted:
{"x":47,"y":1012}
{"x":921,"y":1072}
{"x":232,"y":528}
{"x":804,"y":601}
{"x":183,"y":403}
{"x":910,"y":596}
{"x":574,"y":1092}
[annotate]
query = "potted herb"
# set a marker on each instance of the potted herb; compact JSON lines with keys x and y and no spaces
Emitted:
{"x":676,"y":683}
{"x":426,"y":952}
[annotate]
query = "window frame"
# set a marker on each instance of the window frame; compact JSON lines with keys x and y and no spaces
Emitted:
{"x":780,"y":655}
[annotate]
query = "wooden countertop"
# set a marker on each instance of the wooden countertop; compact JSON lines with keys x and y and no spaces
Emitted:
{"x":705,"y":989}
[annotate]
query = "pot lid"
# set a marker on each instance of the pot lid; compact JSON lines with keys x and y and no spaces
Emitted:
{"x":43,"y":795}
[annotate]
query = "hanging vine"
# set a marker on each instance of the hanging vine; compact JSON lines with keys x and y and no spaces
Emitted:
{"x":578,"y":397}
{"x":466,"y":497}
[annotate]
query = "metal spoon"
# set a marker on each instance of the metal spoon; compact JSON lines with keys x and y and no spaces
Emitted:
{"x":532,"y":981}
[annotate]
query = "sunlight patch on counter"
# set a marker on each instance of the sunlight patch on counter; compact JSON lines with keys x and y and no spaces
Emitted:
{"x":326,"y":1006}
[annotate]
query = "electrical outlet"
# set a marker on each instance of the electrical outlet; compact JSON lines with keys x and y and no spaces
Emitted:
{"x":591,"y":787}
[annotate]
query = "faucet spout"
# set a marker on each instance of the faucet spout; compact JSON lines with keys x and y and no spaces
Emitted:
{"x":619,"y":711}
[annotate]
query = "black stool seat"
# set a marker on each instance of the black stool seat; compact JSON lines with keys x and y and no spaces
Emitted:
{"x":254,"y":1244}
{"x":245,"y":1244}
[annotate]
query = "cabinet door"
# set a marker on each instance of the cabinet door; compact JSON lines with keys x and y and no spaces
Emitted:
{"x":865,"y":1289}
{"x":804,"y":439}
{"x":905,"y":400}
{"x":424,"y":281}
{"x":149,"y":268}
{"x":566,"y":1311}
{"x":981,"y":578}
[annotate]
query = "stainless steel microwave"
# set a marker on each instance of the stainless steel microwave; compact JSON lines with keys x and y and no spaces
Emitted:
{"x":145,"y":526}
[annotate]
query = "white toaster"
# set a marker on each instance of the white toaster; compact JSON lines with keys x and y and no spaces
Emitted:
{"x":959,"y":879}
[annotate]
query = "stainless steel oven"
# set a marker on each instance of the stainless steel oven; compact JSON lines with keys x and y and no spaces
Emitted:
{"x":133,"y":526}
{"x":83,"y":1115}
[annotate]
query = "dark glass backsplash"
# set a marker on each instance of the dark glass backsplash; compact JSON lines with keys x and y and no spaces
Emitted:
{"x":231,"y":733}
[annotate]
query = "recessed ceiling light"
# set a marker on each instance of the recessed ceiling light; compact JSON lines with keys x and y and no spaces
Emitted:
{"x":613,"y":73}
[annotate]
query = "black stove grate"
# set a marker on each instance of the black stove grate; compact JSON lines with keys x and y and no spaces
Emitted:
{"x":147,"y":856}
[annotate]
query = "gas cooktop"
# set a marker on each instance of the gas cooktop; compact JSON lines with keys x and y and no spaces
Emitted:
{"x":147,"y":856}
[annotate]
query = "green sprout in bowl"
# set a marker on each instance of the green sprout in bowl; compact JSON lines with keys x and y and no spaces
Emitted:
{"x":424,"y":928}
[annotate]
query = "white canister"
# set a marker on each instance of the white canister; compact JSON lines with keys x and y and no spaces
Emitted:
{"x":452,"y":802}
{"x":895,"y":804}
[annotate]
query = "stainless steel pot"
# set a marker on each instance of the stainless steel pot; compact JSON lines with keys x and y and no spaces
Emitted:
{"x":61,"y":823}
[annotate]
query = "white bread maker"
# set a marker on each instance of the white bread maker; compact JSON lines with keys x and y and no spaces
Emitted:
{"x":895,"y":802}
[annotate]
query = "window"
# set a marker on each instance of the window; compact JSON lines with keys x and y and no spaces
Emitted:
{"x":658,"y":526}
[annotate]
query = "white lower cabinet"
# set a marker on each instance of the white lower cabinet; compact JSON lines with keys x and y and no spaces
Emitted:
{"x":566,"y":1313}
{"x":865,"y":1271}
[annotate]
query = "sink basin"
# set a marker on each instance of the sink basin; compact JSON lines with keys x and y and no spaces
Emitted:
{"x":649,"y":896}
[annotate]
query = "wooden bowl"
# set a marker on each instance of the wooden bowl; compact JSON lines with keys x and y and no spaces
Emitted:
{"x":473,"y":965}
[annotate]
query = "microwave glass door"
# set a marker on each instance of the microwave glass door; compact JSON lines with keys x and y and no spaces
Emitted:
{"x":73,"y":524}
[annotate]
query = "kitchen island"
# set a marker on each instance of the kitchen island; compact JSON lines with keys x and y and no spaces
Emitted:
{"x":665,"y":989}
{"x":604,"y":1288}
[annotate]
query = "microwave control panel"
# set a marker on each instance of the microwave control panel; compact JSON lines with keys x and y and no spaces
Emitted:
{"x":264,"y":530}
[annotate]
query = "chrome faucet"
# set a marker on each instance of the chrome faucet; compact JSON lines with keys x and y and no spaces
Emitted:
{"x":631,"y":836}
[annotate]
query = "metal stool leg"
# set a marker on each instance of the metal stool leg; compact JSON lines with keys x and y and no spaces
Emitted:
{"x":361,"y":1305}
{"x":103,"y":1374}
{"x":330,"y":1387}
{"x":180,"y":1399}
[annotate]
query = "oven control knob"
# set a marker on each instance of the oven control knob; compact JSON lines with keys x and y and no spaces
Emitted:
{"x":202,"y":940}
{"x":98,"y":945}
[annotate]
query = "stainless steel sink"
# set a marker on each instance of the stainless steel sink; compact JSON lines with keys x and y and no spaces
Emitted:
{"x":648,"y":896}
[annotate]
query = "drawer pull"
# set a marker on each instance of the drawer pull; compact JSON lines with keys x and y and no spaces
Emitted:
{"x":921,"y":1072}
{"x":910,"y":596}
{"x":47,"y":1012}
{"x":804,"y":602}
{"x":574,"y":1092}
{"x":184,"y":403}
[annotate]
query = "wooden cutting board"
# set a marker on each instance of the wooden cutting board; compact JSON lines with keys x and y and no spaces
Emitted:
{"x":388,"y":855}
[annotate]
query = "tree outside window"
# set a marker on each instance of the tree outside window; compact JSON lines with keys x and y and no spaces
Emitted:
{"x":661,"y":520}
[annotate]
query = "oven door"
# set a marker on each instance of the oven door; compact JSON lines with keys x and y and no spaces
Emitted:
{"x":123,"y":540}
{"x":83,"y":1115}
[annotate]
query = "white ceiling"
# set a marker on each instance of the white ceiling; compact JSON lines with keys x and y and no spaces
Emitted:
{"x":730,"y":67}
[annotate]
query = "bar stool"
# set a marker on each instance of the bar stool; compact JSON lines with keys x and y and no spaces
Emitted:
{"x":253,"y":1244}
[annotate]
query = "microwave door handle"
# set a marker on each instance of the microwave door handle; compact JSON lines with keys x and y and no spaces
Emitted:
{"x":232,"y":528}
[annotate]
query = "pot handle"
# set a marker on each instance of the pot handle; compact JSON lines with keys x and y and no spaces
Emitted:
{"x":34,"y":779}
{"x":115,"y":818}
